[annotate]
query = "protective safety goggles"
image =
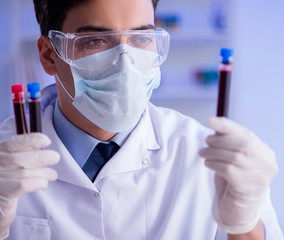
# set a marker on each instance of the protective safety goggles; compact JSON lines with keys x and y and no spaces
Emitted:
{"x":72,"y":47}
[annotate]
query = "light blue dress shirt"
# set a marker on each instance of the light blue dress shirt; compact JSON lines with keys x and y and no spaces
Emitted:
{"x":72,"y":137}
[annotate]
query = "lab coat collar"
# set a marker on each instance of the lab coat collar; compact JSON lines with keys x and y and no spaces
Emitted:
{"x":135,"y":153}
{"x":132,"y":156}
{"x":67,"y":169}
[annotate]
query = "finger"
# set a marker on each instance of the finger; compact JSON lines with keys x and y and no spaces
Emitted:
{"x":220,"y":167}
{"x":33,"y":159}
{"x":226,"y":156}
{"x":46,"y":173}
{"x":216,"y":154}
{"x":25,"y":142}
{"x":242,"y":144}
{"x":225,"y":170}
{"x":14,"y":188}
{"x":223,"y":125}
{"x":238,"y":179}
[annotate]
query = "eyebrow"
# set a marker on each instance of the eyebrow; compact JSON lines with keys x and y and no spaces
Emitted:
{"x":90,"y":28}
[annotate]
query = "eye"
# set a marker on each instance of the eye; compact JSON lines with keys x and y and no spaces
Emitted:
{"x":142,"y":41}
{"x":93,"y":42}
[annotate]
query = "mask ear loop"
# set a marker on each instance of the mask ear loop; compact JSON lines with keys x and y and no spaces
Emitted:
{"x":65,"y":89}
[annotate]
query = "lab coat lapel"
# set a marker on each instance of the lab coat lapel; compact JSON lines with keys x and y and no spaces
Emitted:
{"x":67,"y":168}
{"x":135,"y":154}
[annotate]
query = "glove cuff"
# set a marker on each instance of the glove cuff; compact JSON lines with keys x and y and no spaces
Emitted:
{"x":240,"y":228}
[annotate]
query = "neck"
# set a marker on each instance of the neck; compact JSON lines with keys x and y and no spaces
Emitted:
{"x":76,"y":118}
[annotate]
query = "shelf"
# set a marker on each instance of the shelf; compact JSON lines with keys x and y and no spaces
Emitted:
{"x":185,"y":92}
{"x":198,"y":37}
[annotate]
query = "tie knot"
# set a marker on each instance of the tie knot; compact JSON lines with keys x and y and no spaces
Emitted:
{"x":107,"y":150}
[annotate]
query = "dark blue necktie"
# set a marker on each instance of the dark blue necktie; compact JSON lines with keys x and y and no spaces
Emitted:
{"x":98,"y":158}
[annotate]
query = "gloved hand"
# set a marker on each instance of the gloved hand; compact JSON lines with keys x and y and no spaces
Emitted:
{"x":23,"y":169}
{"x":244,"y":167}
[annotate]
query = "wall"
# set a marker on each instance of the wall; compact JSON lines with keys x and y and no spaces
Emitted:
{"x":5,"y":59}
{"x":196,"y":39}
{"x":19,"y":32}
{"x":258,"y":80}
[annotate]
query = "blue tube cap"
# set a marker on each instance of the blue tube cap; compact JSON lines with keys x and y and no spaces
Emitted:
{"x":34,"y":89}
{"x":226,"y":54}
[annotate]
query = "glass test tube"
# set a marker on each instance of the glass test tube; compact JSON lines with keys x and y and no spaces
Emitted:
{"x":34,"y":107}
{"x":19,"y":108}
{"x":225,"y":72}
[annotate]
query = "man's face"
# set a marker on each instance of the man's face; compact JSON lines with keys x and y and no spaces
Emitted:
{"x":96,"y":15}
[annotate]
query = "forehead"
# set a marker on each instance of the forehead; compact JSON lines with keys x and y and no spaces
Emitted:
{"x":113,"y":14}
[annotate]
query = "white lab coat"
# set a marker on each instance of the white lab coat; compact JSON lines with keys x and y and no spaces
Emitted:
{"x":156,"y":187}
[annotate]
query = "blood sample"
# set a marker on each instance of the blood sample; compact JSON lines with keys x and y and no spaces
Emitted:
{"x":225,"y":72}
{"x":19,"y":108}
{"x":34,"y":107}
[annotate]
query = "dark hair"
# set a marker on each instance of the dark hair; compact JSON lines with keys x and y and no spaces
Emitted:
{"x":50,"y":14}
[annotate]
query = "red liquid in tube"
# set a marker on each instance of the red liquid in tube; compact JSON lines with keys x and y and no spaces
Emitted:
{"x":225,"y":72}
{"x":34,"y":107}
{"x":19,"y":108}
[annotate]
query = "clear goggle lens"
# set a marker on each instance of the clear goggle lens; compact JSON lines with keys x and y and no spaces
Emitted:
{"x":72,"y":47}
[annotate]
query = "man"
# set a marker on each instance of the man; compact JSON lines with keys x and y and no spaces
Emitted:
{"x":105,"y":56}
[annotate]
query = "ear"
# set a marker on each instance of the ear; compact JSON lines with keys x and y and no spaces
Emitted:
{"x":47,"y":55}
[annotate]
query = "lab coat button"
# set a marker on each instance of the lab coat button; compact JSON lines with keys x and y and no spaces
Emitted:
{"x":145,"y":162}
{"x":96,"y":194}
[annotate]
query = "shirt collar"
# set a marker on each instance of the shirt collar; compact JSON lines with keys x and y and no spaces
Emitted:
{"x":70,"y":135}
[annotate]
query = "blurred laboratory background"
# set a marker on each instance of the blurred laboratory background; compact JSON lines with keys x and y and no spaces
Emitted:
{"x":198,"y":28}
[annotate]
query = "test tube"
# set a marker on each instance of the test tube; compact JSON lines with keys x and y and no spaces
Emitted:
{"x":34,"y":107}
{"x":19,"y":108}
{"x":225,"y":72}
